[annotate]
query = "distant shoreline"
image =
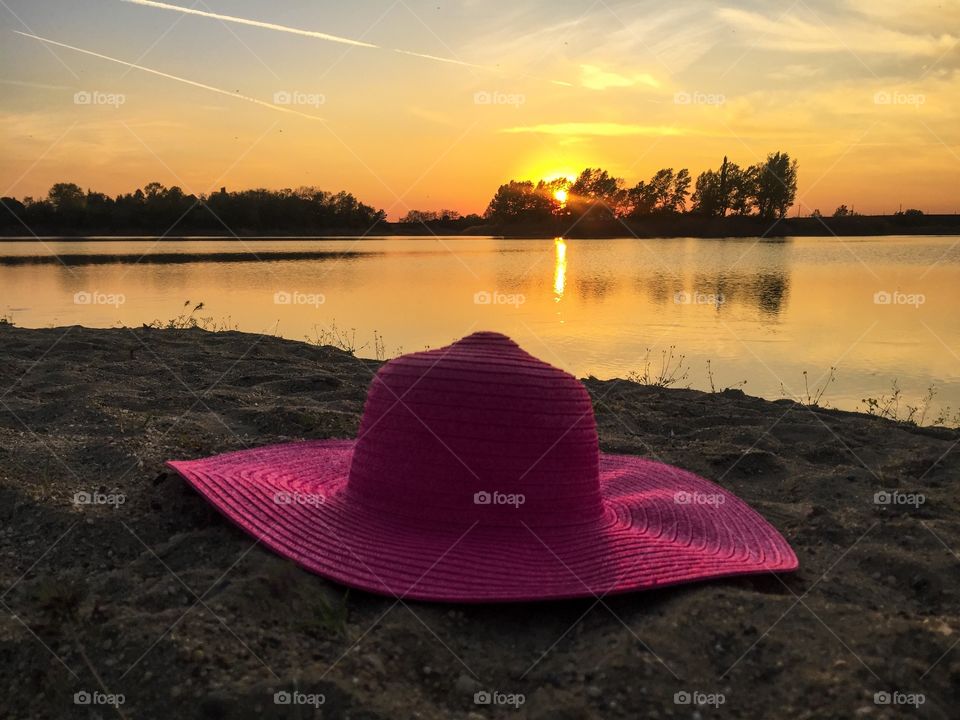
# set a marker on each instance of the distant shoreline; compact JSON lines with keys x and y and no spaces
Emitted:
{"x":149,"y":258}
{"x":665,"y":226}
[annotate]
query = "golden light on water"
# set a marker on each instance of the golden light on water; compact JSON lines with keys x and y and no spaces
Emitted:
{"x":560,"y":266}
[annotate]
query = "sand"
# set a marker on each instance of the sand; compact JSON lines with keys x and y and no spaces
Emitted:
{"x":153,"y":596}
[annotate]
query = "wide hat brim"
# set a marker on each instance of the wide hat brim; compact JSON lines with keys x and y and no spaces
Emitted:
{"x":661,"y":526}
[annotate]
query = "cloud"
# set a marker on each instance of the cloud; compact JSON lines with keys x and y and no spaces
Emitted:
{"x":595,"y":129}
{"x":793,"y":34}
{"x":596,"y":78}
{"x":798,"y":71}
{"x":920,"y":15}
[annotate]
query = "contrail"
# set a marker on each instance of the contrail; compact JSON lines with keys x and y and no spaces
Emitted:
{"x":295,"y":31}
{"x":194,"y":83}
{"x":434,"y":57}
{"x":253,"y":23}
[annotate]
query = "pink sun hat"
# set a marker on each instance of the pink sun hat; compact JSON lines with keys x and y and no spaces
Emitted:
{"x":476,"y":476}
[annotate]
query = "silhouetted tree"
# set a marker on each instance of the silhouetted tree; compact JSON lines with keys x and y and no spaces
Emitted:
{"x":678,"y":192}
{"x":156,"y":208}
{"x":420,"y":216}
{"x":776,"y":185}
{"x":708,"y":194}
{"x":665,"y":192}
{"x":68,"y":201}
{"x":595,"y":194}
{"x":521,"y":202}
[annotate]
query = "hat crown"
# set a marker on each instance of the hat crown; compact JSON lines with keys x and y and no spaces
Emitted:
{"x":478,"y":431}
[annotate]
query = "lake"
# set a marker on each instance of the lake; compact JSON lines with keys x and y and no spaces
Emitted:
{"x":764,"y":311}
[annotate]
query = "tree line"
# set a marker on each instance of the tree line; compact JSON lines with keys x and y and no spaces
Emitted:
{"x":594,"y":201}
{"x":766,"y":189}
{"x":155,"y":208}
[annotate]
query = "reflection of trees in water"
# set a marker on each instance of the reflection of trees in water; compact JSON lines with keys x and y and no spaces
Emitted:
{"x":512,"y":283}
{"x":765,"y":290}
{"x":768,"y":291}
{"x":596,"y":287}
{"x":658,"y":286}
{"x":771,"y":291}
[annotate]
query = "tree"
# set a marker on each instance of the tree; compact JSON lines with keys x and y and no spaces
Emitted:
{"x":14,"y":206}
{"x":596,"y":193}
{"x":679,"y":191}
{"x":708,"y":194}
{"x":729,"y":188}
{"x":776,"y":185}
{"x":842,"y":211}
{"x":66,"y":198}
{"x":639,"y":200}
{"x":521,"y":202}
{"x":661,"y":188}
{"x":420,"y":216}
{"x":154,"y":190}
{"x":740,"y":189}
{"x":665,"y":192}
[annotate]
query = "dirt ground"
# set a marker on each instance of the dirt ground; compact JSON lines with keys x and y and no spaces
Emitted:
{"x":151,"y":595}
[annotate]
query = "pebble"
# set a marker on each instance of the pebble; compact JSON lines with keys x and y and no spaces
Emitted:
{"x":466,"y":685}
{"x":375,"y":663}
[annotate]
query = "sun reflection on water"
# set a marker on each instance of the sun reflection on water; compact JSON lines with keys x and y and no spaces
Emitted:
{"x":560,"y":268}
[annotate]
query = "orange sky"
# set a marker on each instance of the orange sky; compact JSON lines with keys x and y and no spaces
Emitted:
{"x":863,"y":94}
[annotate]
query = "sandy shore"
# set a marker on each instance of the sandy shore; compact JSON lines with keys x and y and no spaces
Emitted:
{"x":153,"y":596}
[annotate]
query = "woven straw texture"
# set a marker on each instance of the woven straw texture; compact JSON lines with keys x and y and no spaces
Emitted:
{"x":476,"y":477}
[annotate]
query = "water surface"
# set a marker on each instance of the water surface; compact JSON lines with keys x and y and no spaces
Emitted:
{"x":759,"y":310}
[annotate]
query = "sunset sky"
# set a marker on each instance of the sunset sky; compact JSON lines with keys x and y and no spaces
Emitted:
{"x":432,"y":105}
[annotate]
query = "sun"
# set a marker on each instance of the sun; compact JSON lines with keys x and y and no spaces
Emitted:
{"x":561,"y":196}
